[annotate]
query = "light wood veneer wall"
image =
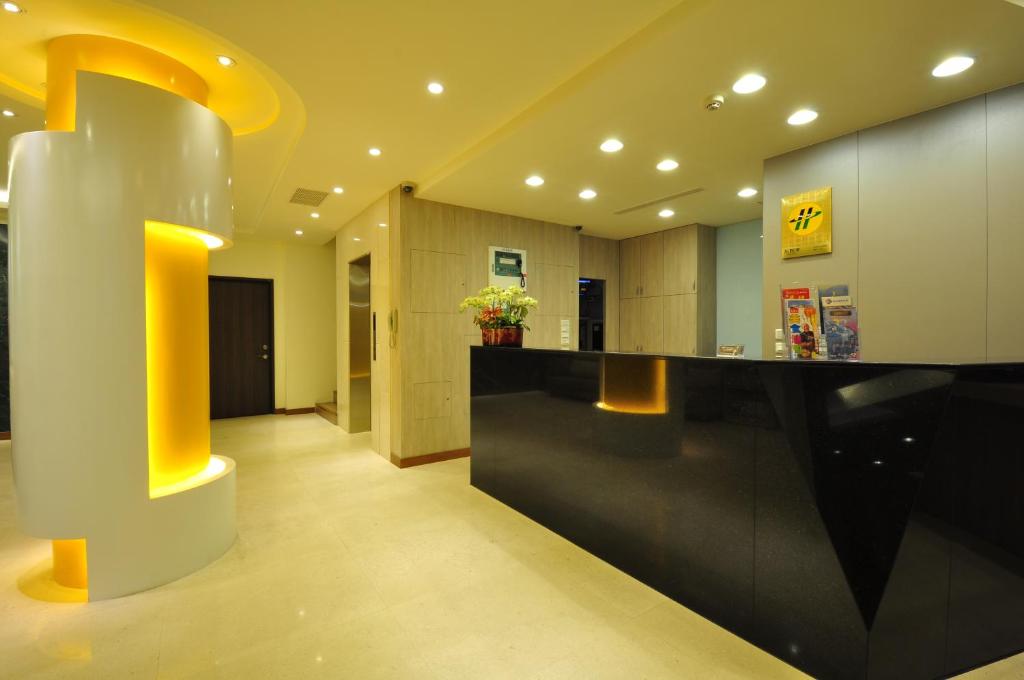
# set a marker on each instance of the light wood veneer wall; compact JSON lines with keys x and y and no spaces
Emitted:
{"x":439,"y":255}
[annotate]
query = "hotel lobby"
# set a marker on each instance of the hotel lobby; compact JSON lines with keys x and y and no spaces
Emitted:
{"x":659,"y":339}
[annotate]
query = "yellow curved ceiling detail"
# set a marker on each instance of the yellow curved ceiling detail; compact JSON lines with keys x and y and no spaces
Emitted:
{"x":242,"y":95}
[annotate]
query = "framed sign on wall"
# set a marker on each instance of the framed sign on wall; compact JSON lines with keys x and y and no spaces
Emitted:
{"x":807,"y":223}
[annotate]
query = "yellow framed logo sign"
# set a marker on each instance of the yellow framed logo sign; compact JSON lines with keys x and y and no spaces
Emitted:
{"x":807,"y":223}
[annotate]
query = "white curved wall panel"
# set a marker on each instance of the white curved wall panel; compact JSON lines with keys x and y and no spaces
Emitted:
{"x":78,"y":204}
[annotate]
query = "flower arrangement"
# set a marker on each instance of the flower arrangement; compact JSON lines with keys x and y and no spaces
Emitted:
{"x":501,"y":314}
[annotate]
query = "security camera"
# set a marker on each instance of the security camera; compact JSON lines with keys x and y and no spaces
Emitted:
{"x":714,"y":102}
{"x":578,"y":227}
{"x":407,"y":188}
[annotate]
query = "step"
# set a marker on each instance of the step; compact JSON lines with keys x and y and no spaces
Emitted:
{"x":328,"y":410}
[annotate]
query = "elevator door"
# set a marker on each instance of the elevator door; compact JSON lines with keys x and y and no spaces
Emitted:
{"x":360,"y":346}
{"x":241,"y":347}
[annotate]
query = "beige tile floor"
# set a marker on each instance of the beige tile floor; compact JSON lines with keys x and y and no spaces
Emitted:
{"x":346,"y":567}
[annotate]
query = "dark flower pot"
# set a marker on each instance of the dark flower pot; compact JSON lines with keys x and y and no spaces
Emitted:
{"x":509,"y":336}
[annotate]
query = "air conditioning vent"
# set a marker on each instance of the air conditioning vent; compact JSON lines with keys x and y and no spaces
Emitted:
{"x":308,"y":197}
{"x":659,"y":201}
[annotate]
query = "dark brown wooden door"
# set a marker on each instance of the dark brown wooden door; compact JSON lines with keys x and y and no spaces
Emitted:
{"x":241,"y":347}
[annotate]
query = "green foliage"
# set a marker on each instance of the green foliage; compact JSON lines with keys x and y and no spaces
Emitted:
{"x":500,"y":307}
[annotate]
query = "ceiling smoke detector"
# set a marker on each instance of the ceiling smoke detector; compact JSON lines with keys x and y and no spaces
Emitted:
{"x":714,"y":102}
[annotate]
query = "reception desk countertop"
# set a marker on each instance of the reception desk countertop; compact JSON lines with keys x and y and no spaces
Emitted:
{"x":856,"y":520}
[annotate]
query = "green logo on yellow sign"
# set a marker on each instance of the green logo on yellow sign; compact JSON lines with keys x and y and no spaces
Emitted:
{"x":805,"y":218}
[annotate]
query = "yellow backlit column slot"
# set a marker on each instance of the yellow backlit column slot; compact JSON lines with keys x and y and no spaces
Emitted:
{"x":177,"y":354}
{"x":70,"y":564}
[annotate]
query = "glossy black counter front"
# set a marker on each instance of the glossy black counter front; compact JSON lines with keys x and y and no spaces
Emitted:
{"x":855,"y":520}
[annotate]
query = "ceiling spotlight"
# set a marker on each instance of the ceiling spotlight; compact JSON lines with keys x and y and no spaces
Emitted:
{"x":535,"y":180}
{"x":611,"y":145}
{"x":802,"y":117}
{"x":382,"y":225}
{"x":298,"y":232}
{"x":8,"y":113}
{"x":588,"y":194}
{"x":747,"y":192}
{"x":12,"y":8}
{"x":667,"y":165}
{"x":356,"y":238}
{"x":225,"y":61}
{"x":374,"y":151}
{"x":338,"y":190}
{"x":315,"y":216}
{"x":751,"y":82}
{"x":435,"y":88}
{"x":666,"y":213}
{"x":952,"y":66}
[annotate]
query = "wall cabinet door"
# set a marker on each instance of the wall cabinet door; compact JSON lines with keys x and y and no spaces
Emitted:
{"x":681,"y":324}
{"x":681,"y":257}
{"x":652,"y":325}
{"x":629,"y":325}
{"x":629,"y":268}
{"x":652,"y":264}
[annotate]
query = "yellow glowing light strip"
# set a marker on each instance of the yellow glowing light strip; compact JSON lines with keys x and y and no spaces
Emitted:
{"x":216,"y":469}
{"x":655,"y":408}
{"x":212,"y":241}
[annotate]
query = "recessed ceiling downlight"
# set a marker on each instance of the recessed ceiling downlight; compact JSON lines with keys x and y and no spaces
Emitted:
{"x":802,"y":117}
{"x":588,"y":194}
{"x":13,"y":8}
{"x":667,"y":165}
{"x":435,"y":88}
{"x":315,"y":215}
{"x":611,"y":145}
{"x":225,"y":61}
{"x":752,"y":82}
{"x":666,"y":213}
{"x":747,"y":192}
{"x":952,"y":66}
{"x":374,"y":151}
{"x":298,"y":232}
{"x":535,"y":180}
{"x":8,"y":113}
{"x":338,"y":190}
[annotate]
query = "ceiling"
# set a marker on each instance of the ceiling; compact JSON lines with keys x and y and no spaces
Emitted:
{"x":532,"y":87}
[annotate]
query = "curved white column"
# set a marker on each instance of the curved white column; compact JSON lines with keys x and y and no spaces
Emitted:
{"x":78,"y":206}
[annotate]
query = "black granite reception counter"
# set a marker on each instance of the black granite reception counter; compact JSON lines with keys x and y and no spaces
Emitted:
{"x":855,"y":520}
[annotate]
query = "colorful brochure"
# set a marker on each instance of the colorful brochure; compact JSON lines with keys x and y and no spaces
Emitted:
{"x":841,"y":332}
{"x":802,"y":321}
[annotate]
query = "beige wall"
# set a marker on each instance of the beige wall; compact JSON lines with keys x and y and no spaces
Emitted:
{"x":441,"y":251}
{"x":304,"y":309}
{"x":928,"y":226}
{"x":599,"y":259}
{"x":373,"y":241}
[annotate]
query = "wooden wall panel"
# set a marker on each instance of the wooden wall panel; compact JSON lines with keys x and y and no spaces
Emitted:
{"x":443,"y":256}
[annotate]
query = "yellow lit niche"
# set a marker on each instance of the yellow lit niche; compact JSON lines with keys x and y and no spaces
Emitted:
{"x":68,"y":54}
{"x":631,"y":384}
{"x":177,"y":353}
{"x":70,"y":566}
